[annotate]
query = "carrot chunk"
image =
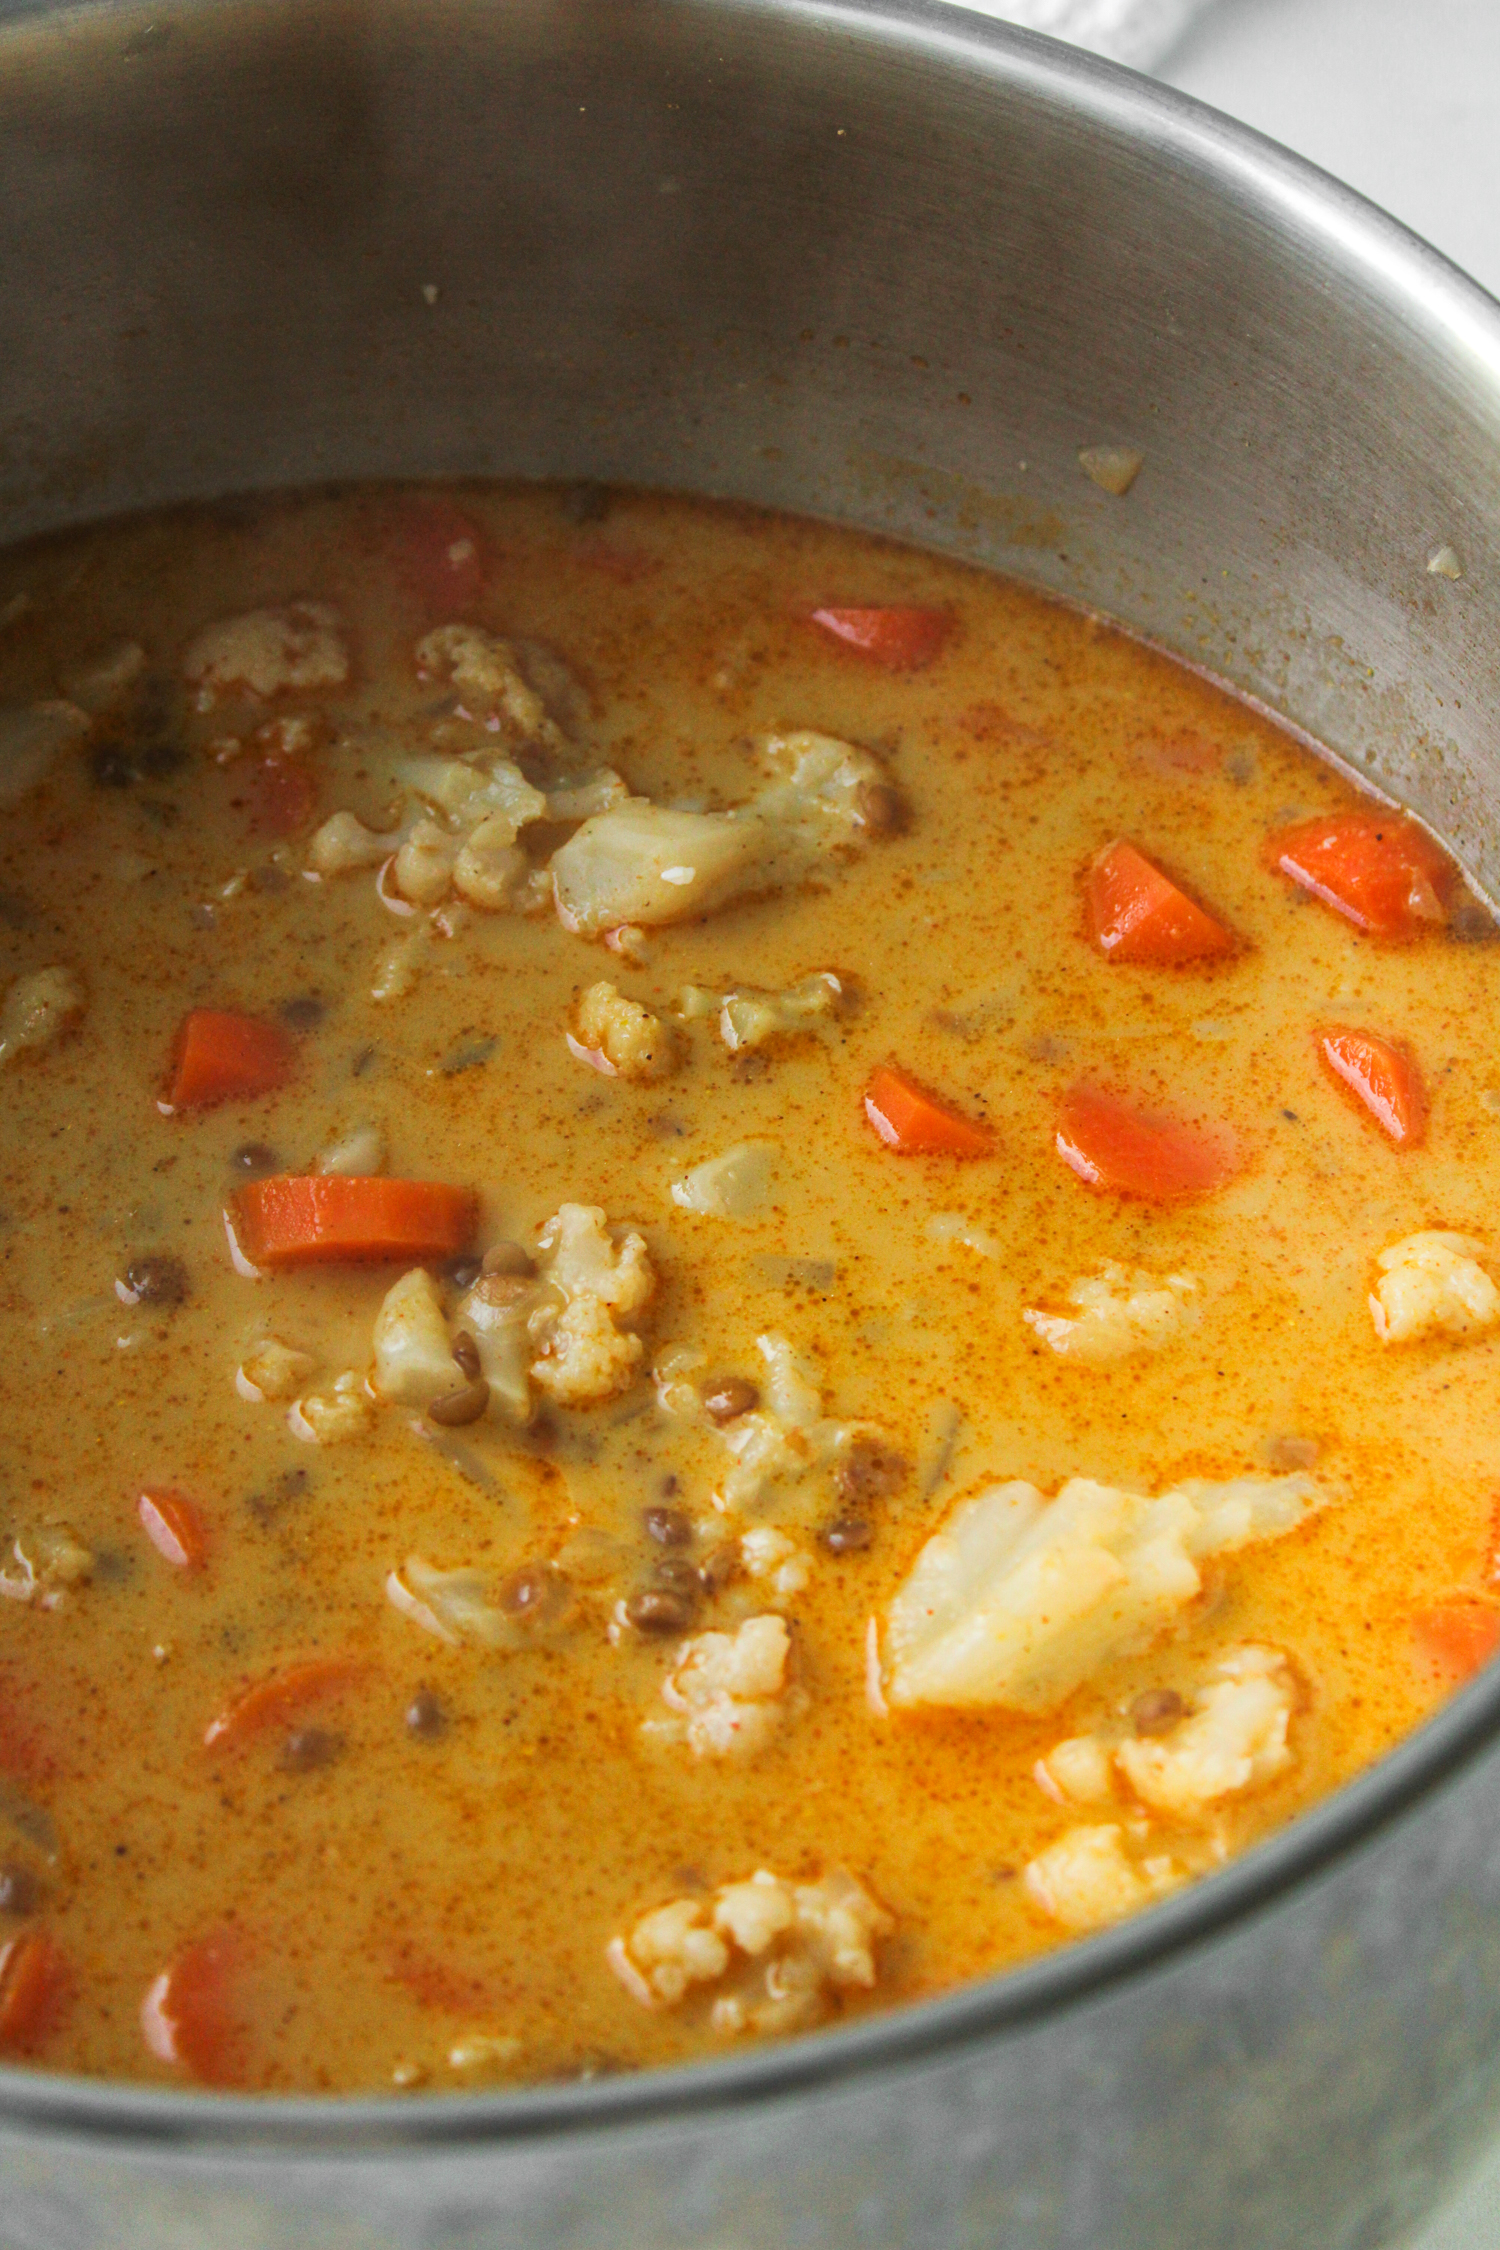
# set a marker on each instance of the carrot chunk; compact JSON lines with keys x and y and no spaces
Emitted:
{"x":280,"y":1696}
{"x":283,"y":794}
{"x":1457,"y":1638}
{"x":33,"y":1985}
{"x":296,"y":1219}
{"x":914,"y":1122}
{"x":189,"y":2016}
{"x":441,"y":556}
{"x":221,"y":1056}
{"x":1138,"y":914}
{"x":1383,"y":1077}
{"x":175,"y":1528}
{"x":899,"y":639}
{"x":1380,"y":871}
{"x":1136,"y":1152}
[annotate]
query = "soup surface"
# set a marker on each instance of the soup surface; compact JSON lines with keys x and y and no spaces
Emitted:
{"x":740,"y":1274}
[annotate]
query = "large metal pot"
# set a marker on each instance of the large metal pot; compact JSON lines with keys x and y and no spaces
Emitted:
{"x":879,"y":260}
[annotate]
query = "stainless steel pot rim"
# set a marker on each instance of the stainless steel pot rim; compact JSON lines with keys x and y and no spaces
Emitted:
{"x":1437,"y":297}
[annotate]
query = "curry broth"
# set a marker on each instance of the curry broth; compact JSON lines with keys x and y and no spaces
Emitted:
{"x":415,"y":1891}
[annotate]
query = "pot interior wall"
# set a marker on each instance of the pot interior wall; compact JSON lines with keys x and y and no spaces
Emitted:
{"x":768,"y":251}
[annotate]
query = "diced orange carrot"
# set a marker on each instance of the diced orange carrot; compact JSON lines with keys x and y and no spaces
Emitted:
{"x":1457,"y":1638}
{"x":442,"y":556}
{"x":190,"y":2016}
{"x":1383,"y":1078}
{"x":281,"y":1695}
{"x":283,"y":794}
{"x":898,"y":638}
{"x":1138,"y":914}
{"x":300,"y":1219}
{"x":1128,"y":1151}
{"x":221,"y":1056}
{"x":916,"y":1123}
{"x":174,"y":1527}
{"x":1379,"y":870}
{"x":33,"y":1986}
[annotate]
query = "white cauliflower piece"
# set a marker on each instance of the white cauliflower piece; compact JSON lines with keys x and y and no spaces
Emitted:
{"x":105,"y":679}
{"x":1118,"y":1311}
{"x":491,"y":870}
{"x":750,"y":1015}
{"x":358,"y":1154}
{"x":780,"y":1950}
{"x":344,"y":844}
{"x":1076,"y":1772}
{"x":413,"y":1349}
{"x":1432,"y":1284}
{"x":423,"y":869}
{"x":1234,"y":1739}
{"x":736,"y":1185}
{"x":773,"y":1559}
{"x":31,"y":737}
{"x":579,"y":796}
{"x":333,"y":1416}
{"x":1017,"y":1600}
{"x":49,"y":1562}
{"x":728,"y":1688}
{"x":495,"y":1312}
{"x":1087,"y":1879}
{"x":268,"y":652}
{"x":38,"y":1010}
{"x":272,"y":1369}
{"x":783,"y":1439}
{"x":649,"y":864}
{"x":581,"y":1353}
{"x":584,"y":1356}
{"x":486,"y":673}
{"x":619,"y":1036}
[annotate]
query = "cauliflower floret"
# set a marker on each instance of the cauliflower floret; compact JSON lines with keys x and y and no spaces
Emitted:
{"x":728,"y":1687}
{"x":775,"y":1560}
{"x":1087,"y":1879}
{"x":1076,"y":1772}
{"x":268,"y":651}
{"x":491,"y":869}
{"x":669,"y":1950}
{"x":1234,"y":1739}
{"x":358,"y":1154}
{"x":619,"y":1036}
{"x":31,"y":736}
{"x":1119,"y":1310}
{"x":579,"y":796}
{"x":649,"y":864}
{"x":785,"y":1949}
{"x":38,"y":1010}
{"x":271,"y":1369}
{"x":785,"y":1438}
{"x":487,"y":674}
{"x":343,"y":843}
{"x":584,"y":1357}
{"x":736,"y":1185}
{"x":413,"y":1349}
{"x":1017,"y":1599}
{"x":749,"y":1016}
{"x":49,"y":1563}
{"x":332,"y":1416}
{"x":423,"y":871}
{"x":581,"y":1354}
{"x":1432,"y":1284}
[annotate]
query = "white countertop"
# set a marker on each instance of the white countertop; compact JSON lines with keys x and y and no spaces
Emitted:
{"x":1401,"y":98}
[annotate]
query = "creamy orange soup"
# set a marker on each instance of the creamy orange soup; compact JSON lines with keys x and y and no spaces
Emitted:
{"x":741,"y":1274}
